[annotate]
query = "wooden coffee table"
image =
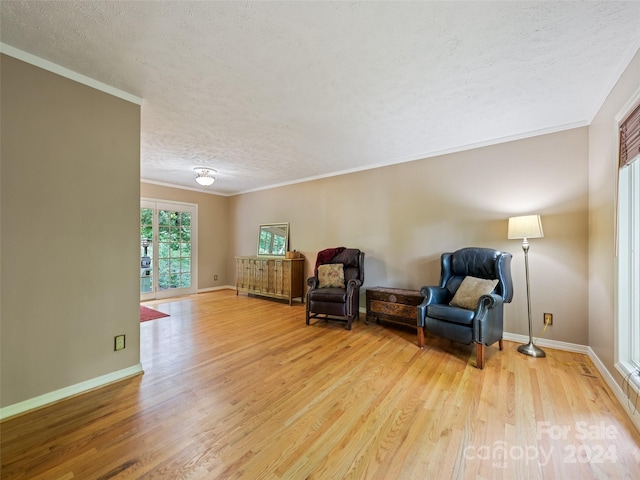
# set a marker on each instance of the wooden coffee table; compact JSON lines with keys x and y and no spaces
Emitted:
{"x":395,"y":305}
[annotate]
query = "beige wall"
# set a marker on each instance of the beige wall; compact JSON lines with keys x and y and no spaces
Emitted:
{"x":603,"y":158}
{"x":70,"y":236}
{"x":404,"y":216}
{"x":70,"y":196}
{"x":213,"y":238}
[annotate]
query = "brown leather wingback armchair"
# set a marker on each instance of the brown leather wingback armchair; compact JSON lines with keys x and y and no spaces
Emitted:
{"x":332,"y":300}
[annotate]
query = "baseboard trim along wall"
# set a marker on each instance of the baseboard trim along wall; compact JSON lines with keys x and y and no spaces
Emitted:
{"x":213,"y":289}
{"x":543,"y":342}
{"x":632,"y":412}
{"x":67,"y":392}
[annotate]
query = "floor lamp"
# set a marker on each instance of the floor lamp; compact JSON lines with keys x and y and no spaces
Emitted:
{"x":525,"y":227}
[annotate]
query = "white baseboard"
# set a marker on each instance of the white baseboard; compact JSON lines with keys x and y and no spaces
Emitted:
{"x":617,"y":390}
{"x":51,"y":397}
{"x":543,"y":342}
{"x":606,"y":375}
{"x":213,"y":289}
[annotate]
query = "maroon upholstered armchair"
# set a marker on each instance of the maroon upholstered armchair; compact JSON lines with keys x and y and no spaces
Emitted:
{"x":334,"y":290}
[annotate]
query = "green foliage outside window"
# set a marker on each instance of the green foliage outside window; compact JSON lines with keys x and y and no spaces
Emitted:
{"x":173,"y":249}
{"x":271,"y":244}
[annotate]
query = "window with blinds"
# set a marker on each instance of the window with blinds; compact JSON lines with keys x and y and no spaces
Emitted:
{"x":628,"y":317}
{"x":630,"y":138}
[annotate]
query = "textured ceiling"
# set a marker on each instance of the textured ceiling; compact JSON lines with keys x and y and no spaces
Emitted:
{"x":274,"y":92}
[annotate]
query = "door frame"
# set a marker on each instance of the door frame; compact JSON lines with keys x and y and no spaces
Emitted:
{"x":160,"y":204}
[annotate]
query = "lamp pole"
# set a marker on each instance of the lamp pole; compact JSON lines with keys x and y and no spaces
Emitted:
{"x":529,"y":349}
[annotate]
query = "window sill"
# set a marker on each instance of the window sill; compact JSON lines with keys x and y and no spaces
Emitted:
{"x":631,"y":376}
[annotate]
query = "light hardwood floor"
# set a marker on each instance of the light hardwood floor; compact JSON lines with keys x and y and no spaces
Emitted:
{"x":238,"y":387}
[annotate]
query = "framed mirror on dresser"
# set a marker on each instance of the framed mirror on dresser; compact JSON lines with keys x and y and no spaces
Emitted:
{"x":273,"y":239}
{"x":271,"y":273}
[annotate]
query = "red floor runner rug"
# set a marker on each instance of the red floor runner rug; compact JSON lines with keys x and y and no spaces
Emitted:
{"x":150,"y":314}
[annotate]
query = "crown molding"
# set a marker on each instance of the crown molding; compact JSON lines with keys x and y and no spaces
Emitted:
{"x":182,"y":187}
{"x":424,"y":156}
{"x":70,"y":74}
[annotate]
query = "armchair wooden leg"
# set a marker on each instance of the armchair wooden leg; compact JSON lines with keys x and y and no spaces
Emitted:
{"x":480,"y":356}
{"x":500,"y":344}
{"x":420,"y":337}
{"x":349,"y":322}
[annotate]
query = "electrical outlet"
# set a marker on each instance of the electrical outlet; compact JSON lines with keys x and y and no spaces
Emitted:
{"x":215,"y":277}
{"x":119,"y":342}
{"x":548,"y":318}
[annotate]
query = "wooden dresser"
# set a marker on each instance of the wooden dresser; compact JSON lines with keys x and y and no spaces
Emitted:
{"x":395,"y":305}
{"x":271,"y":277}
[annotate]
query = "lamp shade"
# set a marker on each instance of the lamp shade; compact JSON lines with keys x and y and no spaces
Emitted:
{"x":527,"y":226}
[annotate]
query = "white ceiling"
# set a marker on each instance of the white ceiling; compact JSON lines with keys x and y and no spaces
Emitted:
{"x":270,"y":93}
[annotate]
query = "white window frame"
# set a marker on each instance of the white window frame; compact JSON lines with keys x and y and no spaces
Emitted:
{"x":628,"y":264}
{"x":158,"y":204}
{"x":628,"y":261}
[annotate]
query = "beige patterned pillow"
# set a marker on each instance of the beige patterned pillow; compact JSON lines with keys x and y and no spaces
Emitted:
{"x":470,"y":290}
{"x":331,"y":275}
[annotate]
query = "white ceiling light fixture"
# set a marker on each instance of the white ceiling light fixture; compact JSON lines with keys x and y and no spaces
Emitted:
{"x":205,"y":176}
